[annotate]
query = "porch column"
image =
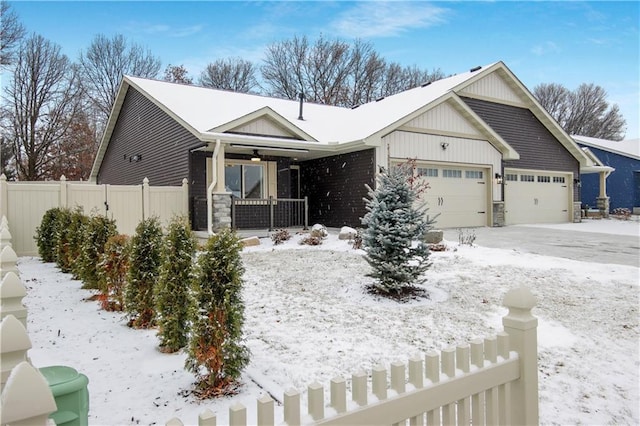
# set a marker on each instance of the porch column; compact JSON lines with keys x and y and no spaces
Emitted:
{"x":603,"y":184}
{"x":603,"y":201}
{"x":221,"y":210}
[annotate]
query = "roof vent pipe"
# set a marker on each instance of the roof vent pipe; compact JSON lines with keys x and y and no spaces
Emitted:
{"x":301,"y":95}
{"x":475,"y":69}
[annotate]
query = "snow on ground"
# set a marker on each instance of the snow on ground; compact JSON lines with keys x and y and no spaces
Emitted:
{"x":603,"y":226}
{"x":308,"y":319}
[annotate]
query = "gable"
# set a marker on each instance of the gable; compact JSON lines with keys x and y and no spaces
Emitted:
{"x":263,"y":126}
{"x":443,"y":117}
{"x":493,"y":87}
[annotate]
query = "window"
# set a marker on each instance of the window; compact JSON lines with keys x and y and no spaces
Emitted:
{"x":423,"y":171}
{"x":558,"y":179}
{"x":244,"y":180}
{"x":544,"y":179}
{"x":527,"y":178}
{"x":447,"y":173}
{"x":473,"y":174}
{"x":512,"y":177}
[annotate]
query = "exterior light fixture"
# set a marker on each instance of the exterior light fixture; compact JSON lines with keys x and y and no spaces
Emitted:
{"x":498,"y":177}
{"x":444,"y":145}
{"x":135,"y":158}
{"x":577,"y":183}
{"x":256,"y":156}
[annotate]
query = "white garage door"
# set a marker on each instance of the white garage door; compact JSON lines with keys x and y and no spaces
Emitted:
{"x":536,"y":197}
{"x":459,"y":194}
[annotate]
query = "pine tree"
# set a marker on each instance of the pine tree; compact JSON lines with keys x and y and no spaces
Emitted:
{"x":216,"y":353}
{"x":172,"y":291}
{"x":394,"y":221}
{"x":144,"y":268}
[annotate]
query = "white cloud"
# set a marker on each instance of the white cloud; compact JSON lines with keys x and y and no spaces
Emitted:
{"x":162,"y":29}
{"x":384,"y":19}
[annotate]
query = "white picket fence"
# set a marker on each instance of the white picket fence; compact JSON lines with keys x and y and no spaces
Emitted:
{"x":25,"y":203}
{"x":491,"y":381}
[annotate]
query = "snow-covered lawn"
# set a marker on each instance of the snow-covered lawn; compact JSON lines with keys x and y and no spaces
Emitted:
{"x":308,"y":319}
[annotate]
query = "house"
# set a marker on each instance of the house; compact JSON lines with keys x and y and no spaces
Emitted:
{"x":490,"y":153}
{"x":623,"y":184}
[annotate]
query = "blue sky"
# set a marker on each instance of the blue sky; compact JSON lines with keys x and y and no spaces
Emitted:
{"x":567,"y":42}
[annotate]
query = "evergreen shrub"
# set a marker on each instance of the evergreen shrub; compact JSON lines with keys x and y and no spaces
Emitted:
{"x":144,"y":268}
{"x":172,"y":291}
{"x":63,"y":258}
{"x":216,"y":353}
{"x":46,"y":235}
{"x":97,"y":230}
{"x":112,"y":272}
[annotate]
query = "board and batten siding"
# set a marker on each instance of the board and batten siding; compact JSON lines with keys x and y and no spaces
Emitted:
{"x":493,"y":87}
{"x":520,"y":128}
{"x":262,"y":126}
{"x":336,"y":187}
{"x":444,"y":117}
{"x":465,"y":152}
{"x":145,"y":130}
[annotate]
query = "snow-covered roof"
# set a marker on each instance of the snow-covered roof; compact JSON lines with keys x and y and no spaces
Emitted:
{"x":206,"y":110}
{"x":628,"y":148}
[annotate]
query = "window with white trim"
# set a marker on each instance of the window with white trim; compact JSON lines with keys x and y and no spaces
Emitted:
{"x":473,"y":174}
{"x":558,"y":179}
{"x":511,"y":177}
{"x":544,"y":179}
{"x":450,"y":173}
{"x":427,"y":172}
{"x":527,"y":178}
{"x":245,"y":180}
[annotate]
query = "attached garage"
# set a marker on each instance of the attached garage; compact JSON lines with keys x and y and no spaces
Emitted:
{"x":537,"y":196}
{"x":459,"y":194}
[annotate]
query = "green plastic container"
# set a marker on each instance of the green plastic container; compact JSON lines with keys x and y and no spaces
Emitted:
{"x":70,"y":392}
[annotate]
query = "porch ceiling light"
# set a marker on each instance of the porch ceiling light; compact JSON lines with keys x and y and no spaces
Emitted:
{"x":256,"y":156}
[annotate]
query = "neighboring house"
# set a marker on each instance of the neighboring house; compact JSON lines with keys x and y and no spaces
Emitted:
{"x":623,"y":184}
{"x":491,"y":154}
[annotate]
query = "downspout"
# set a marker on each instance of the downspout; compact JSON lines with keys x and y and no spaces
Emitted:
{"x":214,"y":181}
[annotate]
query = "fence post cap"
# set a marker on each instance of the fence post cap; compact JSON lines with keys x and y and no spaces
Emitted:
{"x":519,"y":298}
{"x":11,"y":286}
{"x":3,"y":177}
{"x":145,"y":180}
{"x":4,"y":233}
{"x":13,"y":335}
{"x":8,"y":255}
{"x":26,"y":395}
{"x":63,"y":178}
{"x":185,"y":181}
{"x":4,"y":222}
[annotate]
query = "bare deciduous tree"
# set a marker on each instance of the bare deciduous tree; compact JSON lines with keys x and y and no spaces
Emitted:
{"x":335,"y":73}
{"x":583,"y":112}
{"x":234,"y":74}
{"x":11,"y":32}
{"x":40,"y":100}
{"x":177,"y":74}
{"x":105,"y":62}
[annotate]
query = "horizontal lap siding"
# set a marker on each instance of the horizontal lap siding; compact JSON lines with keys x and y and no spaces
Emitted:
{"x":336,"y":187}
{"x":144,"y":129}
{"x":538,"y":148}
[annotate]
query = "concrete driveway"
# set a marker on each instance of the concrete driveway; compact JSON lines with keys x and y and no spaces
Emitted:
{"x":575,"y":242}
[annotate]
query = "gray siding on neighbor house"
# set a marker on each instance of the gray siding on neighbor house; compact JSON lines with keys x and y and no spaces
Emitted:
{"x":198,"y":190}
{"x":144,"y":129}
{"x":538,"y":148}
{"x":336,"y":187}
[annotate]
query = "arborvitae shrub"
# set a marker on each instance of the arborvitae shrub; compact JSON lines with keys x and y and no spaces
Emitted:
{"x":216,"y":353}
{"x":172,"y":290}
{"x":97,"y":231}
{"x":392,"y":223}
{"x":63,"y":259}
{"x":112,"y":272}
{"x":144,"y":268}
{"x":46,"y":235}
{"x":75,"y":238}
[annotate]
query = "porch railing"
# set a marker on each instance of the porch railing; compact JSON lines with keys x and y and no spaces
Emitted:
{"x":270,"y":213}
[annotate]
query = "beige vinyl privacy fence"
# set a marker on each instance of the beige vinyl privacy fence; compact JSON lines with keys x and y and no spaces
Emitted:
{"x":491,"y":381}
{"x":24,"y":204}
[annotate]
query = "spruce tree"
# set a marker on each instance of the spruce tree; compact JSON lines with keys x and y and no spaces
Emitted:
{"x":216,"y":353}
{"x":144,"y":268}
{"x":394,"y":221}
{"x":172,"y":291}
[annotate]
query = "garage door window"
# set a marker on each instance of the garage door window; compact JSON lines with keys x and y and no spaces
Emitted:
{"x":473,"y":174}
{"x":558,"y":179}
{"x":544,"y":179}
{"x":511,"y":177}
{"x":423,"y":171}
{"x":527,"y":178}
{"x":456,"y":174}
